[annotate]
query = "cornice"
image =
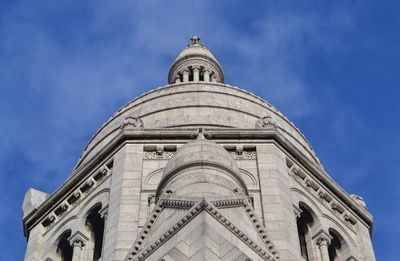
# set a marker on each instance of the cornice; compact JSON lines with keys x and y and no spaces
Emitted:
{"x":141,"y":99}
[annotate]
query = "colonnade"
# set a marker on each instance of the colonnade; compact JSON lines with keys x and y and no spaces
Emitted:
{"x":199,"y":74}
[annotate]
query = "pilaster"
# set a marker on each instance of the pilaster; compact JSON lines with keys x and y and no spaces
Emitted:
{"x":279,"y":218}
{"x":123,"y":211}
{"x":35,"y":244}
{"x":365,"y":243}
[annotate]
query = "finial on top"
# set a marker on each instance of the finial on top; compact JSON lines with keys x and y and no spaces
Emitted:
{"x":195,"y":40}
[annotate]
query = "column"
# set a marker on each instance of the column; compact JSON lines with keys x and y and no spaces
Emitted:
{"x":323,"y":239}
{"x":178,"y":78}
{"x":213,"y":78}
{"x":297,"y":214}
{"x":78,"y":241}
{"x":185,"y":75}
{"x":196,"y":73}
{"x":206,"y":75}
{"x":104,"y":215}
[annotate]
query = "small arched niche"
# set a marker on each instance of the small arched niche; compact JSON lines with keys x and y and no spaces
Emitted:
{"x":64,"y":249}
{"x":338,"y":248}
{"x":306,"y":225}
{"x":95,"y":225}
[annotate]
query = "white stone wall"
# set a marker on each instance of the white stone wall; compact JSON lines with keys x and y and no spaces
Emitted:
{"x":128,"y":196}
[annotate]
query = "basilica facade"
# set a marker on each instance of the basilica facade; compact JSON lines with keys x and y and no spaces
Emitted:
{"x":197,"y":170}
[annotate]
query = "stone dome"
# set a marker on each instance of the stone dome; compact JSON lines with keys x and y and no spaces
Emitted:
{"x":197,"y":102}
{"x":201,"y":151}
{"x":202,"y":162}
{"x":195,"y":49}
{"x":194,"y":105}
{"x":195,"y":63}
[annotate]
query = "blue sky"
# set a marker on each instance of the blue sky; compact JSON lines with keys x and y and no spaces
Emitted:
{"x":332,"y":67}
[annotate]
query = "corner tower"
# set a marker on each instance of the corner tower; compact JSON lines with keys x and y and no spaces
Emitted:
{"x":197,"y":170}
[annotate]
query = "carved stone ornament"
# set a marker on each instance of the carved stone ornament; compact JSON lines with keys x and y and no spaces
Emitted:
{"x":78,"y":239}
{"x":131,"y":122}
{"x":297,"y":211}
{"x":156,"y":155}
{"x":359,"y":200}
{"x":322,"y":237}
{"x":266,"y":122}
{"x":250,"y":154}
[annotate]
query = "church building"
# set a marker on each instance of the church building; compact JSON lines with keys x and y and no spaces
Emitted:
{"x":197,"y":170}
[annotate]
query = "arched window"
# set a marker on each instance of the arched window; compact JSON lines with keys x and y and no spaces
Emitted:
{"x":96,"y":226}
{"x":64,"y":248}
{"x":335,"y":247}
{"x":304,"y":224}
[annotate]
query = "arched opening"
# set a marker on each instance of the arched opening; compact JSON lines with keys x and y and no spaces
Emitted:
{"x":95,"y":223}
{"x":190,"y":74}
{"x":64,"y":248}
{"x":305,"y":223}
{"x":336,"y":247}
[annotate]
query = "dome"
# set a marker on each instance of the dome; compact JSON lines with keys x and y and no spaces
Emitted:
{"x":195,"y":50}
{"x":194,"y":105}
{"x":201,"y":151}
{"x":201,"y":167}
{"x":195,"y":63}
{"x":204,"y":103}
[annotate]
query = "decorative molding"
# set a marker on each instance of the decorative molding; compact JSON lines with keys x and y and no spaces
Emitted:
{"x":163,"y":238}
{"x":173,"y":203}
{"x":242,"y":236}
{"x":132,"y":122}
{"x":246,"y":154}
{"x":78,"y":195}
{"x":78,"y":239}
{"x":155,"y":155}
{"x":228,"y":203}
{"x":139,"y":254}
{"x":314,"y":188}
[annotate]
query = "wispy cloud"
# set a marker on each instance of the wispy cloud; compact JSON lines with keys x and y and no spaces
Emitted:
{"x":65,"y":68}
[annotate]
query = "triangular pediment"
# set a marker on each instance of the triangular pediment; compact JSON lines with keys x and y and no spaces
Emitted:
{"x":202,"y":231}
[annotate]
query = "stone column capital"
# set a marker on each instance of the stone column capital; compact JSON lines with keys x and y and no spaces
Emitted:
{"x":322,"y":238}
{"x":185,"y":71}
{"x":78,"y":239}
{"x":196,"y":68}
{"x":104,"y":212}
{"x":297,"y":211}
